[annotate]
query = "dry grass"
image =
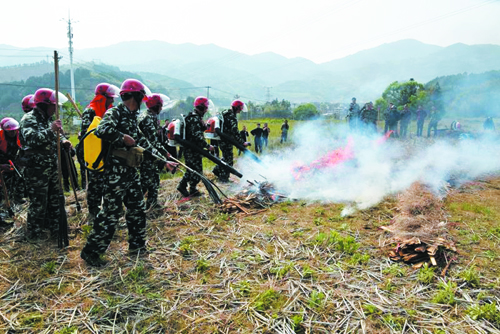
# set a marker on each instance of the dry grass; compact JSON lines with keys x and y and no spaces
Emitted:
{"x":295,"y":268}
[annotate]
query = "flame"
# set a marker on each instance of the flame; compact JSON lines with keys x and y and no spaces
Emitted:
{"x":332,"y":158}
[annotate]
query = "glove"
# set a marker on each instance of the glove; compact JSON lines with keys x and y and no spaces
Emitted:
{"x":56,"y":126}
{"x":211,"y":148}
{"x":67,"y":145}
{"x":6,"y":168}
{"x":128,"y":141}
{"x":247,"y":144}
{"x":171,"y":166}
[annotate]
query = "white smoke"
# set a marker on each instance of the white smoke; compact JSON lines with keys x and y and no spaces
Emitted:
{"x":377,"y":169}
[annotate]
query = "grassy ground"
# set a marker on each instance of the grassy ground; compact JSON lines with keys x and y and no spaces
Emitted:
{"x":296,"y":268}
{"x":279,"y":271}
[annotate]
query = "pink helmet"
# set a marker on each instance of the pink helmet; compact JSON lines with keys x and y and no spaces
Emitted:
{"x":157,"y":100}
{"x":107,"y":90}
{"x":458,"y":126}
{"x":240,"y":105}
{"x":133,"y":85}
{"x":201,"y":101}
{"x":28,"y":103}
{"x":9,"y":124}
{"x":48,"y":96}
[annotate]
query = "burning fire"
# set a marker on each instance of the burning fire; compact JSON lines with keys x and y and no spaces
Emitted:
{"x":332,"y":158}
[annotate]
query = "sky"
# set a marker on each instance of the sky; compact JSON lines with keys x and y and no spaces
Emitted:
{"x":319,"y":30}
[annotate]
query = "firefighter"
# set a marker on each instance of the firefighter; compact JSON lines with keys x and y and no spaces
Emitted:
{"x":27,"y":103}
{"x":230,"y":128}
{"x":38,"y":140}
{"x":103,"y":100}
{"x":150,"y":128}
{"x":353,"y":114}
{"x":9,"y":148}
{"x":120,"y":130}
{"x":369,"y":117}
{"x":194,"y":128}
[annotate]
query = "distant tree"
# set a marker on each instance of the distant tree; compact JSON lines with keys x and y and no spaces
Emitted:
{"x":277,"y":108}
{"x":305,"y":111}
{"x":401,"y":93}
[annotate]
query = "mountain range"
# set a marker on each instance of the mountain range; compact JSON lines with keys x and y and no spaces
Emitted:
{"x":364,"y":74}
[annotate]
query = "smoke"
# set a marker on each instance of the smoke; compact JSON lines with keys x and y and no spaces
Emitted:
{"x":377,"y":167}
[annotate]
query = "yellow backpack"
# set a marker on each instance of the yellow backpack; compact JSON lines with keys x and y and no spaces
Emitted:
{"x":94,"y":153}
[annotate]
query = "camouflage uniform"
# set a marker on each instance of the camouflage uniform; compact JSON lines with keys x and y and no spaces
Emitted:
{"x":95,"y":180}
{"x":194,"y":134}
{"x":433,"y":123}
{"x":150,"y":171}
{"x":16,"y":188}
{"x":39,"y":144}
{"x":230,"y":128}
{"x":353,"y":115}
{"x":405,"y":122}
{"x":369,"y":117}
{"x":122,"y":187}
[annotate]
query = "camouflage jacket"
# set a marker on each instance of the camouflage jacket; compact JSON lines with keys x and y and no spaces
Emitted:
{"x":369,"y":115}
{"x":195,"y":129}
{"x":36,"y":135}
{"x":11,"y":148}
{"x":353,"y":110}
{"x":117,"y":122}
{"x":148,"y":124}
{"x":87,"y":118}
{"x":231,"y":125}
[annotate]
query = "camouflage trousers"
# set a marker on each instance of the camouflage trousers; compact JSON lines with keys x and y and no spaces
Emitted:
{"x":43,"y":192}
{"x":194,"y":161}
{"x":150,"y":181}
{"x":227,"y":156}
{"x":122,"y":187}
{"x":95,"y":191}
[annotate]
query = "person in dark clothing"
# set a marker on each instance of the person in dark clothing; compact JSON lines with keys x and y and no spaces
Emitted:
{"x":284,"y":131}
{"x":230,"y":128}
{"x":257,"y":133}
{"x":488,"y":124}
{"x":405,"y":121}
{"x":434,"y":121}
{"x":194,"y":128}
{"x":265,"y":135}
{"x":244,"y":135}
{"x":38,"y":140}
{"x":103,"y":100}
{"x":392,"y":120}
{"x":421,"y":115}
{"x":119,"y":127}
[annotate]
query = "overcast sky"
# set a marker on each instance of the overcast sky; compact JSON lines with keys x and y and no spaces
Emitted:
{"x":320,"y":30}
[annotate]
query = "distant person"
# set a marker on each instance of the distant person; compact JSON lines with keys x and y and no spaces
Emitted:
{"x":257,"y":133}
{"x":172,"y":150}
{"x":434,"y":121}
{"x":386,"y":117}
{"x":405,"y":121}
{"x":369,"y":117}
{"x":421,"y":115}
{"x":265,"y":135}
{"x":353,"y":115}
{"x":488,"y":124}
{"x":393,"y":118}
{"x":244,"y":135}
{"x":284,"y":131}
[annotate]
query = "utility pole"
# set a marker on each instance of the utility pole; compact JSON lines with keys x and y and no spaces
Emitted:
{"x":208,"y":92}
{"x":268,"y":94}
{"x":70,"y":38}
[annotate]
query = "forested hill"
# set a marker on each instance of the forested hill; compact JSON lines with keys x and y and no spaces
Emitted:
{"x":86,"y":78}
{"x":471,"y":95}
